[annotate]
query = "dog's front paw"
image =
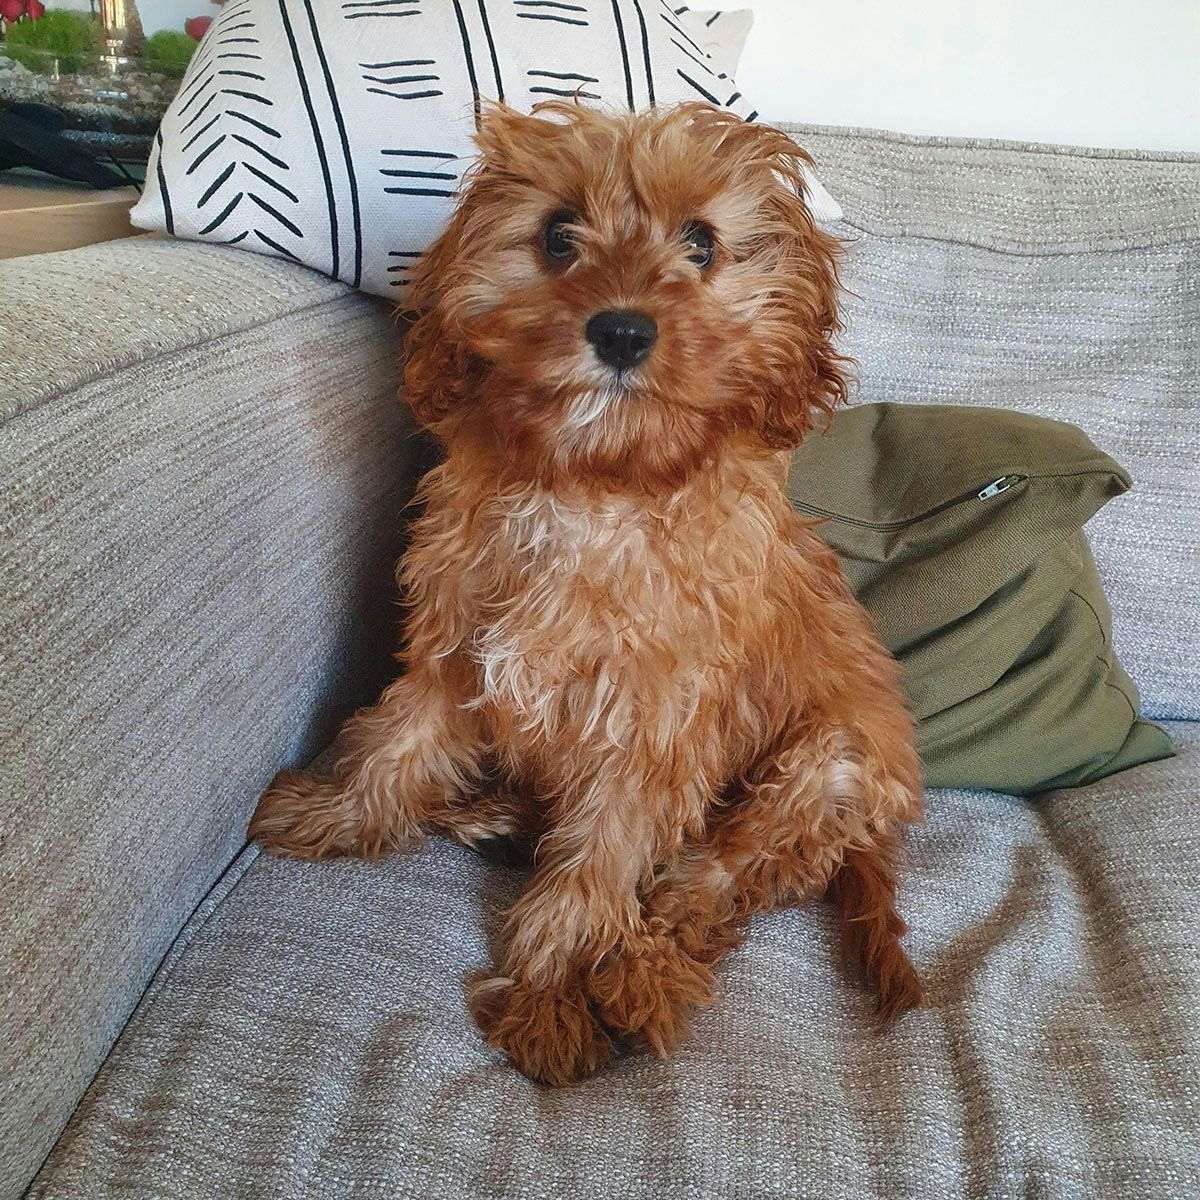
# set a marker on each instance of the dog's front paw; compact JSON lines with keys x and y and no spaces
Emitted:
{"x":302,"y":816}
{"x":549,"y":1035}
{"x":648,"y":987}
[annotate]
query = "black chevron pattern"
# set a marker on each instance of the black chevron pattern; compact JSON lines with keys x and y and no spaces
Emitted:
{"x":335,"y":133}
{"x":231,"y":143}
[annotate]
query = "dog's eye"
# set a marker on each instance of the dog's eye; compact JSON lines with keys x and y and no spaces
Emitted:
{"x":557,"y":237}
{"x":699,"y":241}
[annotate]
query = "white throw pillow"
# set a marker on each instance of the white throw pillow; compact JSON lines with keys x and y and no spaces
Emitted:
{"x":335,"y":132}
{"x":721,"y":35}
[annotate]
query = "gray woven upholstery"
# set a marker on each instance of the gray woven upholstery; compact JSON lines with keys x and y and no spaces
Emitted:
{"x":202,"y":506}
{"x":311,"y":1040}
{"x":201,"y":479}
{"x":1015,"y":197}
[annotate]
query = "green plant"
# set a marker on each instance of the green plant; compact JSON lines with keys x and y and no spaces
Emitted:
{"x":58,"y":35}
{"x":168,"y":51}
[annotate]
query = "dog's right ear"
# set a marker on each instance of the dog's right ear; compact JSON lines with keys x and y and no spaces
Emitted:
{"x":439,"y":370}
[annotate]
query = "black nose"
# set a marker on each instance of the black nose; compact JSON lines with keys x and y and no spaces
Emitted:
{"x":622,"y":339}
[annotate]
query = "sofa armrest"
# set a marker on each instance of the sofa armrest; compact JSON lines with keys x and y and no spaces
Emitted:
{"x":203,"y":467}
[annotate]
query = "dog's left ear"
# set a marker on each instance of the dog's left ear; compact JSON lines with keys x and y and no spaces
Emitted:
{"x":798,"y":372}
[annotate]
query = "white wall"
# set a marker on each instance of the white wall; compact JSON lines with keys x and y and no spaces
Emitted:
{"x":1112,"y":73}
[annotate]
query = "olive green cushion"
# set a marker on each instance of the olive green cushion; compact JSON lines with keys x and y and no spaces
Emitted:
{"x":961,"y":531}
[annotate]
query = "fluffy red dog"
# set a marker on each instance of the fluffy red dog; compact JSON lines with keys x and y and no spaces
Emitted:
{"x":623,"y":644}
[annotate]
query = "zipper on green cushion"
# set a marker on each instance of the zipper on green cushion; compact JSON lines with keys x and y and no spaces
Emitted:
{"x":999,"y":485}
{"x":993,"y":489}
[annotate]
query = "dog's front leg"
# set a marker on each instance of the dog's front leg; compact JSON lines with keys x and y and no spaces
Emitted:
{"x":402,"y":764}
{"x":578,"y":954}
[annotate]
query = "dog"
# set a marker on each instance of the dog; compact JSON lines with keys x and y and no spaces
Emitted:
{"x":622,"y":644}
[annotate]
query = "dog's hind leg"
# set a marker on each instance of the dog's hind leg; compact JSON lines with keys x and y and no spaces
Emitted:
{"x":821,"y":814}
{"x":864,"y":889}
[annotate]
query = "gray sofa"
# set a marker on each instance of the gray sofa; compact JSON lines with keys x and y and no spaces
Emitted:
{"x":204,"y":472}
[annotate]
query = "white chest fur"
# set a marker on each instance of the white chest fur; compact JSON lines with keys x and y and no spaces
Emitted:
{"x":602,"y":614}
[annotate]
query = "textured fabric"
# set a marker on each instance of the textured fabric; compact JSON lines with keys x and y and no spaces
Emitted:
{"x":337,"y":135}
{"x":1060,"y":283}
{"x":311,"y":1040}
{"x":960,"y":531}
{"x":323,"y":1004}
{"x":1019,"y":197}
{"x":80,"y":318}
{"x":721,"y":35}
{"x":194,"y":588}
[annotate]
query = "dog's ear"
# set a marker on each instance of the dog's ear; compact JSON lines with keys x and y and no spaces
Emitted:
{"x":798,"y":372}
{"x":439,"y":371}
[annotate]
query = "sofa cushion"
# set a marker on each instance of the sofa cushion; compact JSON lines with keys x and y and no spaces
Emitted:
{"x":309,"y":1038}
{"x":960,"y":531}
{"x":202,"y":479}
{"x":1060,"y":283}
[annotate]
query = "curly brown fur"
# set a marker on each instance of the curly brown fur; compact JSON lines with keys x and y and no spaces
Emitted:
{"x":613,"y":605}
